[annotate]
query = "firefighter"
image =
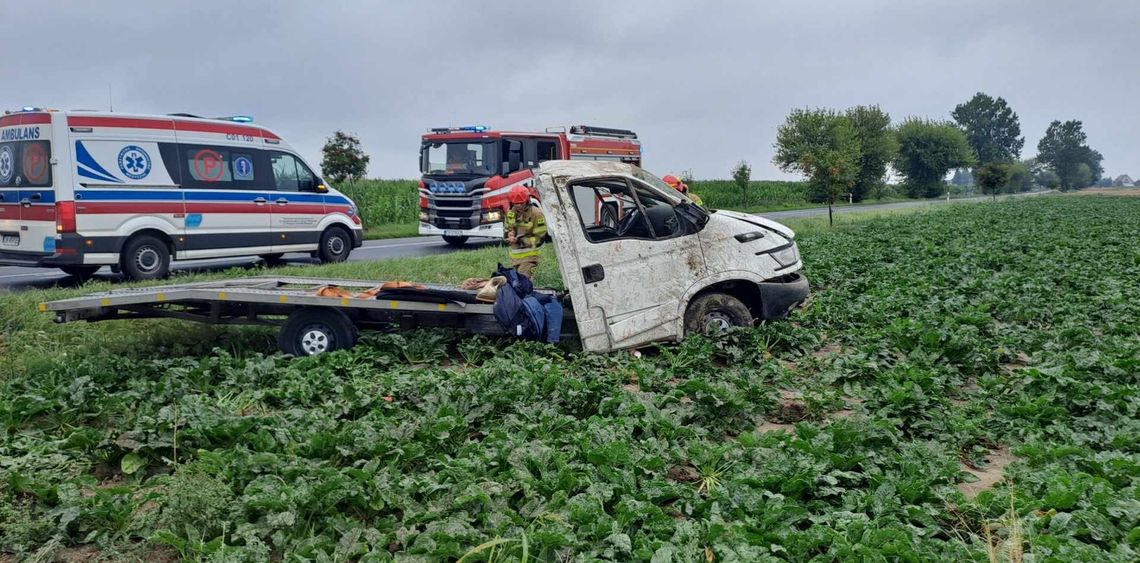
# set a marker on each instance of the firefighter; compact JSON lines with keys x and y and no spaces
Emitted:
{"x":525,"y":229}
{"x":683,"y":188}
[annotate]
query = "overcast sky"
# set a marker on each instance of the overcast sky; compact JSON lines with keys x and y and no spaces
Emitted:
{"x":704,"y":84}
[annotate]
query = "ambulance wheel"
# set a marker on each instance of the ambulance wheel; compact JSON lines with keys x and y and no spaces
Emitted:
{"x":714,"y":312}
{"x":81,"y":273}
{"x":145,"y":258}
{"x":336,"y":243}
{"x":454,"y":241}
{"x":312,"y":331}
{"x":273,"y":260}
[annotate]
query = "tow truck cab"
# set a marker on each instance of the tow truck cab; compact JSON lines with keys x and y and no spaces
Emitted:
{"x":666,"y":267}
{"x":467,"y":171}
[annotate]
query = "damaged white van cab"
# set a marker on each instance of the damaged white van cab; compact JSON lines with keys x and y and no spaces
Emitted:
{"x":654,"y":266}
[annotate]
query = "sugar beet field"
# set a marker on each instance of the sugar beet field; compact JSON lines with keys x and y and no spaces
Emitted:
{"x":962,"y":386}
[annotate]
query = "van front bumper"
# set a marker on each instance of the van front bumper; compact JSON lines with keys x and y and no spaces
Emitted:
{"x":69,"y":251}
{"x":780,"y":295}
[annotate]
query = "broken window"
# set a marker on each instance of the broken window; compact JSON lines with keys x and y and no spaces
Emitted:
{"x":612,"y":209}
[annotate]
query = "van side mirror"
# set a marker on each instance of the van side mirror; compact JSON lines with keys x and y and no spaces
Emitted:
{"x":514,"y":157}
{"x":322,"y":189}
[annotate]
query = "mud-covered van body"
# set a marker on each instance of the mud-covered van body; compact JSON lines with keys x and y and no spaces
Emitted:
{"x":80,"y":190}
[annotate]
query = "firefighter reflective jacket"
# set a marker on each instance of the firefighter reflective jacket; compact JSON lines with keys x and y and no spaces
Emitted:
{"x":529,"y":227}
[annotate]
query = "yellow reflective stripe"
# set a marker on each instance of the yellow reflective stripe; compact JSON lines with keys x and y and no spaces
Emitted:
{"x":524,"y":252}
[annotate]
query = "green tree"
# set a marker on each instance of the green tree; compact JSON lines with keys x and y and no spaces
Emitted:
{"x":742,"y":175}
{"x":992,"y":128}
{"x":877,"y":148}
{"x":822,"y":145}
{"x":928,"y":150}
{"x":1020,"y":178}
{"x":1063,"y":150}
{"x":343,"y":158}
{"x":992,"y":178}
{"x":962,"y":177}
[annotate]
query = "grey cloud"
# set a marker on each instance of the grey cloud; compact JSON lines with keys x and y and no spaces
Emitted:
{"x":704,"y":83}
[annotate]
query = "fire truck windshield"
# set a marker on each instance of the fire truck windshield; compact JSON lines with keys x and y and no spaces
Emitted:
{"x":467,"y":158}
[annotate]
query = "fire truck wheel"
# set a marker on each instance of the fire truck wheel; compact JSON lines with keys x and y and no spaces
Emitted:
{"x":336,"y":243}
{"x":715,"y":312}
{"x":145,"y":257}
{"x":454,"y":241}
{"x":312,"y":331}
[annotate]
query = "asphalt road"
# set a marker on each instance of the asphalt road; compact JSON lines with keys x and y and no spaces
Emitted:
{"x":14,"y":278}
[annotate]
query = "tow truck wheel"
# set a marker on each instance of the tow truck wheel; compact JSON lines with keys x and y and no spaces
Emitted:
{"x":714,"y":312}
{"x":336,"y":243}
{"x":81,"y":273}
{"x":454,"y":241}
{"x":308,"y":332}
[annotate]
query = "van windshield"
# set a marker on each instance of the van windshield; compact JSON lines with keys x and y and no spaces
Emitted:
{"x":467,"y":158}
{"x":25,"y":163}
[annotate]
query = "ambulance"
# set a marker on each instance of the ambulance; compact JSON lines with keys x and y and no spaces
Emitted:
{"x":81,"y":190}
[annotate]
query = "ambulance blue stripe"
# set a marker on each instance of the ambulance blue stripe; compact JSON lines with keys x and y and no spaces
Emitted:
{"x":84,"y":158}
{"x":214,"y":195}
{"x":11,"y":195}
{"x":94,"y":176}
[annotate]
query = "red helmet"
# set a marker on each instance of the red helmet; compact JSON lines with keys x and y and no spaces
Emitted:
{"x":518,"y":195}
{"x":671,"y":180}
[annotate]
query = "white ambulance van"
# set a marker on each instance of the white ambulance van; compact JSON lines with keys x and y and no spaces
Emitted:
{"x":81,"y":190}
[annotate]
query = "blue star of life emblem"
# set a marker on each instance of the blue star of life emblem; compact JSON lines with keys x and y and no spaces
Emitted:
{"x":134,"y":162}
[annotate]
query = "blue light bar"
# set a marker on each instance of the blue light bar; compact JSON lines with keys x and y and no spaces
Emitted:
{"x":29,"y":108}
{"x":475,"y":128}
{"x":241,"y":119}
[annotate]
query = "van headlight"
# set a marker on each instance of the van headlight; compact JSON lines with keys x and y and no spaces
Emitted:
{"x":787,"y":256}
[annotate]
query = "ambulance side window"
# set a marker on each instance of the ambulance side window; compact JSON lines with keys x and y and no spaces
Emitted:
{"x":290,"y":174}
{"x":217,"y":167}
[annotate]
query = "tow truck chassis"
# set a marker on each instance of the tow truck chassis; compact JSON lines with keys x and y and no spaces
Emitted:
{"x":291,"y":303}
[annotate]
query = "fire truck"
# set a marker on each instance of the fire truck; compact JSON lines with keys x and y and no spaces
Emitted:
{"x":467,"y":172}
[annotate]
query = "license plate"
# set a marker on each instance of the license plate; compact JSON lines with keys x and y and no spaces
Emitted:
{"x":452,"y":233}
{"x":10,"y":240}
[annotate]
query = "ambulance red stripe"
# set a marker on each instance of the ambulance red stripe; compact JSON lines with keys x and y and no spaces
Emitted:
{"x":168,"y":124}
{"x":25,"y":119}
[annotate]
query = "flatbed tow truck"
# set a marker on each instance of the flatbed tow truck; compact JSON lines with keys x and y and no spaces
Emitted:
{"x":667,"y":268}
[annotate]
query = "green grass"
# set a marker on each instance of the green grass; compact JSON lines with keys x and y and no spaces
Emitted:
{"x":931,"y":341}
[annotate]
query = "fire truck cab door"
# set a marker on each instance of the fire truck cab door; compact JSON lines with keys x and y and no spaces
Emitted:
{"x":625,"y":279}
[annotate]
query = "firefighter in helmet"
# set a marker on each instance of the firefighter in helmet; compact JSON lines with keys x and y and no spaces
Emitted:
{"x":525,"y":229}
{"x":683,"y":188}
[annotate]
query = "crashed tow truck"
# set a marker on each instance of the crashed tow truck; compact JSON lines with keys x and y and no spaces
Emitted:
{"x":639,"y":261}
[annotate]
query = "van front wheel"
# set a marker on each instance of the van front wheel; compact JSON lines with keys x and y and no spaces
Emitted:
{"x":145,"y":258}
{"x":715,"y":312}
{"x":336,"y":243}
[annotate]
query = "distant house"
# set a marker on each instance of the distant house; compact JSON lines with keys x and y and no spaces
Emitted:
{"x":1124,"y":181}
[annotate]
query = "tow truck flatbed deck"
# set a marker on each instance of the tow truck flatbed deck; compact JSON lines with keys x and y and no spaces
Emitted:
{"x":270,"y":300}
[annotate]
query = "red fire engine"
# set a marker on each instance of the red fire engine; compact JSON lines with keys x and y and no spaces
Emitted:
{"x":467,"y":171}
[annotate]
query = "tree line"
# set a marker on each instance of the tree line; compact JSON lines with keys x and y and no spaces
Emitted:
{"x":847,"y":154}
